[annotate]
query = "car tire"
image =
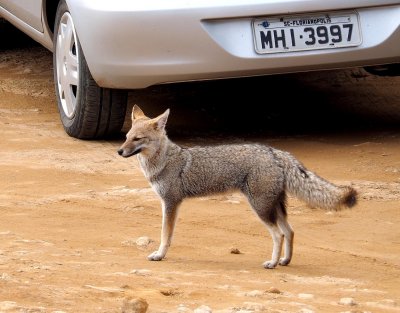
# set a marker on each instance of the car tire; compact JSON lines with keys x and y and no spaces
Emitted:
{"x":87,"y":111}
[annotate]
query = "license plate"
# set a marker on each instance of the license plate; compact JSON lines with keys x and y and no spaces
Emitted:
{"x":306,"y":32}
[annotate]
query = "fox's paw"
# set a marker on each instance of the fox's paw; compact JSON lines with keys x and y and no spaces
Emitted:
{"x":270,"y":264}
{"x":284,"y":261}
{"x":155,"y":256}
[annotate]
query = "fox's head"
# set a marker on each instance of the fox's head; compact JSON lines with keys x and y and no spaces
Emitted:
{"x":145,"y":135}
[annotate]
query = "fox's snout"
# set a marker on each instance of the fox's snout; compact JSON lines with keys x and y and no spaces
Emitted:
{"x":126,"y":153}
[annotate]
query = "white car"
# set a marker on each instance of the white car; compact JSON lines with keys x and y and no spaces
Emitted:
{"x":104,"y":48}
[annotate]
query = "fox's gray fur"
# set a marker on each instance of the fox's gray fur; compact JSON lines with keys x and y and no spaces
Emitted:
{"x":263,"y":174}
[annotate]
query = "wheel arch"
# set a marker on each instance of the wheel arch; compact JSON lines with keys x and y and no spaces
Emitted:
{"x":49,"y":8}
{"x":87,"y":111}
{"x":49,"y":13}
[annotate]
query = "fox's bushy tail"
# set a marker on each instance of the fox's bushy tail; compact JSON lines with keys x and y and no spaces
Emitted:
{"x":314,"y":190}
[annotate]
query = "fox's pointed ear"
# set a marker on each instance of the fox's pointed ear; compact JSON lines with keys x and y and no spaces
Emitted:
{"x":137,"y":112}
{"x":160,"y":121}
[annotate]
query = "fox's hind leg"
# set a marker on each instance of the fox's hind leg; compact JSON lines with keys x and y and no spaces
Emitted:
{"x":267,"y":207}
{"x":277,"y":239}
{"x":288,"y":235}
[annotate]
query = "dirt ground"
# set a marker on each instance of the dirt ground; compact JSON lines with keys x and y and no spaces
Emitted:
{"x":71,"y":211}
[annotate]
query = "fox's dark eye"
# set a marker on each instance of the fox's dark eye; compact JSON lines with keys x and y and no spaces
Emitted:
{"x":137,"y":138}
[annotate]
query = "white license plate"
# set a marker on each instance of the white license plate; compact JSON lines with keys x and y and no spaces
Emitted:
{"x":306,"y":32}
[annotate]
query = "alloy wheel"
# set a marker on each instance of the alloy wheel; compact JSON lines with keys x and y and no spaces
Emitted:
{"x":67,"y":63}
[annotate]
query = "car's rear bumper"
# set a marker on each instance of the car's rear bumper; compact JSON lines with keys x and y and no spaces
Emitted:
{"x":134,"y":45}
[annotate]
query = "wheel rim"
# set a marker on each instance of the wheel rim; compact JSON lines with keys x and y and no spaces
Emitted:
{"x":67,"y":59}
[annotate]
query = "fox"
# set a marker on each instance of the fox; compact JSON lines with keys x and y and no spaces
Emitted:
{"x":264,"y":175}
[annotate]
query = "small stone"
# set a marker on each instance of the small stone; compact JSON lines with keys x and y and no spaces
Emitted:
{"x":347,"y":301}
{"x":134,"y":305}
{"x":235,"y":251}
{"x":203,"y":309}
{"x":169,"y":292}
{"x":305,"y":296}
{"x":274,"y":290}
{"x":5,"y":276}
{"x":144,"y":242}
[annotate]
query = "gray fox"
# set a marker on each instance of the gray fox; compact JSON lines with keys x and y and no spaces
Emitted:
{"x":263,"y":174}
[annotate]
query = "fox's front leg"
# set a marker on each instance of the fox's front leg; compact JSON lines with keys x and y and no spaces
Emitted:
{"x":169,"y":214}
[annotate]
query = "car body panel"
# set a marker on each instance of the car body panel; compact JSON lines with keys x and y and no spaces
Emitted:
{"x":189,"y":40}
{"x":43,"y":36}
{"x":29,"y":12}
{"x":135,"y":44}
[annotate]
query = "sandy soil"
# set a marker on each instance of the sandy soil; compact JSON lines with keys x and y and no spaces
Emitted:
{"x":72,"y":211}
